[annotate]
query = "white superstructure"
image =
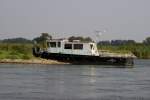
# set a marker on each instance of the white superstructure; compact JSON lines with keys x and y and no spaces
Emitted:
{"x":76,"y":47}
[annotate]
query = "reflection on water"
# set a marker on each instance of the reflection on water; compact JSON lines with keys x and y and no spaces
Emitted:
{"x":74,"y":82}
{"x":92,"y":74}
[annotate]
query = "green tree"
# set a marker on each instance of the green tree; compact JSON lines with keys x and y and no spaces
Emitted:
{"x":42,"y":39}
{"x":147,"y":40}
{"x":16,"y":40}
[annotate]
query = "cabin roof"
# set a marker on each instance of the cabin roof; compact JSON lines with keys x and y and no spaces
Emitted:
{"x":66,"y":40}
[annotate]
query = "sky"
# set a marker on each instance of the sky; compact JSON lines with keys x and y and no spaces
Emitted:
{"x":115,"y":19}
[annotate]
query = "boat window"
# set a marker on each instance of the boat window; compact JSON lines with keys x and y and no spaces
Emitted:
{"x":59,"y":44}
{"x":91,"y":46}
{"x":78,"y":46}
{"x":68,"y":46}
{"x":52,"y":44}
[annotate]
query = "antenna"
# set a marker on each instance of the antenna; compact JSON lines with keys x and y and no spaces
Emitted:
{"x":98,"y":34}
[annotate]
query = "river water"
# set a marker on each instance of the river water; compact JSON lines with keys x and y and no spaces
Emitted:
{"x":75,"y":82}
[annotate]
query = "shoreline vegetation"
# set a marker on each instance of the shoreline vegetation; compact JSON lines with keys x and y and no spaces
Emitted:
{"x":141,"y":51}
{"x":21,"y":54}
{"x":19,"y":50}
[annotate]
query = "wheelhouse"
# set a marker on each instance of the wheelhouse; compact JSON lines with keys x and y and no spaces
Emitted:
{"x":74,"y":48}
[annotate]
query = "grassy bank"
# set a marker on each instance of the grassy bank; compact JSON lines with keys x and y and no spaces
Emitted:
{"x":21,"y":54}
{"x":24,"y":51}
{"x":15,"y":51}
{"x":140,"y":50}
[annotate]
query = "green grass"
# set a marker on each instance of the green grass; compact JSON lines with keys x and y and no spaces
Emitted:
{"x":16,"y":51}
{"x":24,"y":51}
{"x":139,"y":50}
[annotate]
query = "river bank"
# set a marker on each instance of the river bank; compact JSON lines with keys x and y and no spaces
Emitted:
{"x":31,"y":61}
{"x":22,"y":53}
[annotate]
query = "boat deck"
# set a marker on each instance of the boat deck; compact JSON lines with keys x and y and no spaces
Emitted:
{"x":116,"y":55}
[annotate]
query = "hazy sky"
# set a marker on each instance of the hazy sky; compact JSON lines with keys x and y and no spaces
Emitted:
{"x":120,"y":19}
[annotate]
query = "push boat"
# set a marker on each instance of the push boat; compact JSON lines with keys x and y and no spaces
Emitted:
{"x":77,"y":52}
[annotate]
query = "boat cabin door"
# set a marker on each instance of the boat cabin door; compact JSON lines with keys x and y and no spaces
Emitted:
{"x":94,"y":50}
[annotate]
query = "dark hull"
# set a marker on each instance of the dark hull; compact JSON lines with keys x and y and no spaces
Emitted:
{"x":84,"y":59}
{"x":87,"y":60}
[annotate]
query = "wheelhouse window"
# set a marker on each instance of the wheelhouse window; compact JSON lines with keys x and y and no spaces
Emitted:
{"x":59,"y":44}
{"x":91,"y":46}
{"x":68,"y":46}
{"x":78,"y":46}
{"x":53,"y":44}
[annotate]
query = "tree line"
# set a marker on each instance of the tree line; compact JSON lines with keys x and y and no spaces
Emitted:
{"x":45,"y":36}
{"x":123,"y":42}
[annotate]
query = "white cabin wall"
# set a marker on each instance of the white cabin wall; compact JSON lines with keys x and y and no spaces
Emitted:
{"x":85,"y":51}
{"x":66,"y":51}
{"x":55,"y":50}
